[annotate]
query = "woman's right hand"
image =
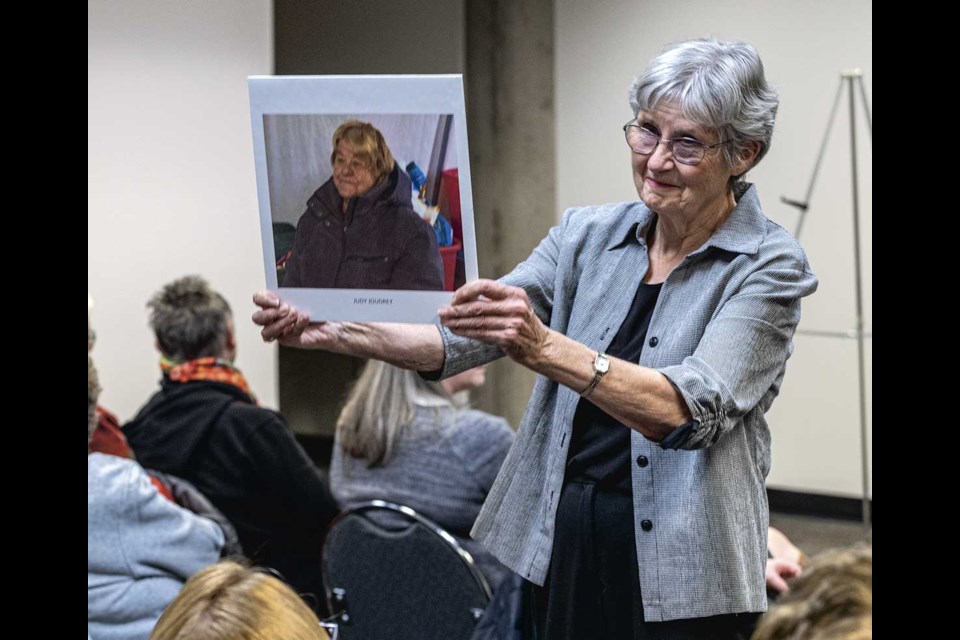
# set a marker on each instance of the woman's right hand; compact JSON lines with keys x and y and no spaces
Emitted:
{"x":289,"y":327}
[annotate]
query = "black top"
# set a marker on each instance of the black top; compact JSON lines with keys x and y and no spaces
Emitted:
{"x":600,"y":444}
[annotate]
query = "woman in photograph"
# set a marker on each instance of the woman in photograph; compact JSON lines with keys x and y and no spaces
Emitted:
{"x":360,"y":230}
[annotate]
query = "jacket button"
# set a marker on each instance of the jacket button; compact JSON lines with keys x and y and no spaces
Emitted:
{"x":642,"y":461}
{"x":646,"y":525}
{"x":654,"y":341}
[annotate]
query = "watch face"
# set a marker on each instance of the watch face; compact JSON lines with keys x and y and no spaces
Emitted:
{"x":602,"y":364}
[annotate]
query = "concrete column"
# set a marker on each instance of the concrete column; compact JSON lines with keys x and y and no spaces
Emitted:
{"x":505,"y":50}
{"x":316,"y":37}
{"x":511,"y":121}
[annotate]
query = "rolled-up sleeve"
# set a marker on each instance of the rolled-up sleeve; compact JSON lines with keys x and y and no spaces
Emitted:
{"x":743,"y":351}
{"x":460,"y":354}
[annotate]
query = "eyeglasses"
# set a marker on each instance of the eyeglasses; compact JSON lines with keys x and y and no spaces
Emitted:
{"x":685,"y":150}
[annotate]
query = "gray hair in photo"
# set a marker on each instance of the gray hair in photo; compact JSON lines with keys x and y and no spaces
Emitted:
{"x":716,"y":84}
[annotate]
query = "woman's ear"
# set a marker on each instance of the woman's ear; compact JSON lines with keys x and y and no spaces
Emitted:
{"x":746,"y":159}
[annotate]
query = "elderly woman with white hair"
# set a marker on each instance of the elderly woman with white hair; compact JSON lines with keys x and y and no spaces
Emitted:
{"x":660,"y":329}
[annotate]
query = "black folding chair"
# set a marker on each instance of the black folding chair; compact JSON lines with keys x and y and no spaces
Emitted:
{"x":392,"y":574}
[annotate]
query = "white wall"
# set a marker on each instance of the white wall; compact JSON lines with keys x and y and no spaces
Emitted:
{"x":170,"y":175}
{"x":601,"y":46}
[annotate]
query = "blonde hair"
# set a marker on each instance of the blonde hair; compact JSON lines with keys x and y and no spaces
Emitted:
{"x":379,"y":406}
{"x":367,"y":143}
{"x":831,"y":600}
{"x":227,"y":601}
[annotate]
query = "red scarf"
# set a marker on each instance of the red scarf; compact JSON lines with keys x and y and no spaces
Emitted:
{"x":212,"y":369}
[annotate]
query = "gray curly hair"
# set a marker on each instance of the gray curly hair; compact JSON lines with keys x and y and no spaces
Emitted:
{"x":190,"y":319}
{"x":716,"y":84}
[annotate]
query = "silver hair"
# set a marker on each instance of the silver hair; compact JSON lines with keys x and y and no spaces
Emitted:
{"x":378,"y":407}
{"x":190,"y":319}
{"x":93,"y":396}
{"x":716,"y":84}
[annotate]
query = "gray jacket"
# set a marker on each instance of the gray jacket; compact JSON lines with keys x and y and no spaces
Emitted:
{"x":724,"y":324}
{"x":141,"y":548}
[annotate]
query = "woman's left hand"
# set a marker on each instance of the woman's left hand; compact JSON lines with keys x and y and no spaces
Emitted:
{"x":499,"y":314}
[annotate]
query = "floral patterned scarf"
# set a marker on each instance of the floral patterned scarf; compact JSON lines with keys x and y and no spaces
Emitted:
{"x":211,"y":369}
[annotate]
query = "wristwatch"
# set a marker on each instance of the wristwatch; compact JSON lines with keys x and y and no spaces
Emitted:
{"x":601,"y":364}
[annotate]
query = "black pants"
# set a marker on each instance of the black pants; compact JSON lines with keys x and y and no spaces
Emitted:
{"x":593,"y":587}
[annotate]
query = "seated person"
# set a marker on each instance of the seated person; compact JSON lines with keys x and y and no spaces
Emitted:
{"x":141,"y":547}
{"x":107,"y":437}
{"x":831,"y":600}
{"x":402,"y":439}
{"x":228,"y":600}
{"x":360,"y":230}
{"x":204,"y":426}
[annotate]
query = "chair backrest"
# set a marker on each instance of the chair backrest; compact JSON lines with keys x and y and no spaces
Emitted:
{"x":392,"y":574}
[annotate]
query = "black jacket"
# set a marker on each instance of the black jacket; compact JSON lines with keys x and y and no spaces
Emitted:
{"x":381,"y":243}
{"x":245,"y":459}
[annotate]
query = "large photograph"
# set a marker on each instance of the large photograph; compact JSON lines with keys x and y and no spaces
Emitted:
{"x":365,"y":211}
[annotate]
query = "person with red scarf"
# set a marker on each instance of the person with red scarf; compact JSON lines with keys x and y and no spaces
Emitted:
{"x":205,"y":426}
{"x":107,"y":437}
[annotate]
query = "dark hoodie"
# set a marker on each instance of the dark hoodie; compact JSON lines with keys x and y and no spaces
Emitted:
{"x":381,"y":242}
{"x":245,"y":459}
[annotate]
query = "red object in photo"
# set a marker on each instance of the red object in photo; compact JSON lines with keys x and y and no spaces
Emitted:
{"x":450,"y":187}
{"x":449,"y":257}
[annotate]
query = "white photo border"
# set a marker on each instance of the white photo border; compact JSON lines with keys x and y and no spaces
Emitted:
{"x":373,"y":94}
